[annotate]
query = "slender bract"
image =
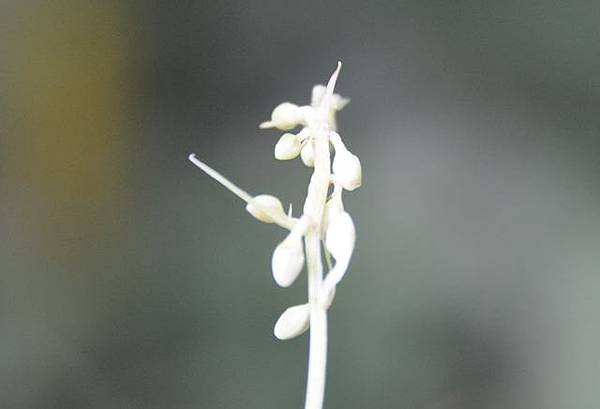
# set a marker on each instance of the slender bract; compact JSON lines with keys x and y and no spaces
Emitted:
{"x":324,"y":225}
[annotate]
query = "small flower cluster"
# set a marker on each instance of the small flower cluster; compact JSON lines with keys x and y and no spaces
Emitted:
{"x":324,"y":223}
{"x":336,"y":225}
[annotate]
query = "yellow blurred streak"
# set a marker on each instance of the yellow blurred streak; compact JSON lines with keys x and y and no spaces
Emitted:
{"x":67,"y":97}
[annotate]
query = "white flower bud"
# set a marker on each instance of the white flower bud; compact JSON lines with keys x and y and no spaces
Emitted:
{"x":347,"y":169}
{"x":340,"y":236}
{"x":288,"y":260}
{"x":285,"y":116}
{"x":307,"y":154}
{"x":293,"y":322}
{"x":288,"y":147}
{"x":263,"y":207}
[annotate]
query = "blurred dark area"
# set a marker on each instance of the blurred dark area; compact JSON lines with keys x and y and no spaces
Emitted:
{"x":129,"y":279}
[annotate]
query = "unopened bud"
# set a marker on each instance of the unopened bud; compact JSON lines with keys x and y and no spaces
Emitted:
{"x":307,"y":154}
{"x":288,"y":147}
{"x":285,"y":116}
{"x":287,"y":261}
{"x":340,"y":236}
{"x":293,"y":322}
{"x":347,"y":169}
{"x":264,"y":207}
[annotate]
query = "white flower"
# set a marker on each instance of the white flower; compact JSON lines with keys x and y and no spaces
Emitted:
{"x":285,"y":116}
{"x":293,"y":322}
{"x":347,"y":170}
{"x":265,"y":208}
{"x":321,"y":220}
{"x":288,"y":260}
{"x":288,"y":147}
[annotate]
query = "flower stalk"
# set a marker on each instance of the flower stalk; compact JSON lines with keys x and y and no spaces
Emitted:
{"x":324,"y":222}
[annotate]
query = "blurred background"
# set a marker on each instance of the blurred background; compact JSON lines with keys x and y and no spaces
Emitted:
{"x":129,"y":279}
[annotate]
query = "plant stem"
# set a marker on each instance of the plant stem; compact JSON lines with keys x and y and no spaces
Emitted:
{"x":314,"y":205}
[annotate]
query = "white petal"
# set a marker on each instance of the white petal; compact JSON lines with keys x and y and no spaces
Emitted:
{"x":293,"y":322}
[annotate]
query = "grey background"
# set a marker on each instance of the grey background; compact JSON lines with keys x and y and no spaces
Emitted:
{"x":128,"y":279}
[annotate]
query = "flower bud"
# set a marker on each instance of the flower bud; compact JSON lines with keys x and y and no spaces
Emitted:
{"x":307,"y":154}
{"x":288,"y":147}
{"x":293,"y":322}
{"x":340,"y":236}
{"x":285,"y":116}
{"x":263,"y":207}
{"x":287,"y":261}
{"x":347,"y":169}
